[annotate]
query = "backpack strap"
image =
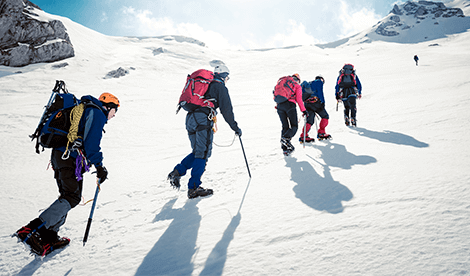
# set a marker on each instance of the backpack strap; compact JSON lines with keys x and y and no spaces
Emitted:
{"x":288,"y":81}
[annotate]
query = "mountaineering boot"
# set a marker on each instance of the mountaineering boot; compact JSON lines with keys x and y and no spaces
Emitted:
{"x":353,"y":121}
{"x":286,"y":142}
{"x":24,"y":233}
{"x":199,"y":191}
{"x":41,"y":247}
{"x":323,"y":136}
{"x":307,"y":139}
{"x":346,"y":120}
{"x":174,"y":178}
{"x":286,"y":146}
{"x":46,"y":241}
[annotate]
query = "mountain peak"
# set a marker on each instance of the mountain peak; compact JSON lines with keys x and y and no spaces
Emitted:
{"x":412,"y":22}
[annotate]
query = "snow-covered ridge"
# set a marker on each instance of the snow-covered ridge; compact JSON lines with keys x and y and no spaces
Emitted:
{"x":405,"y":16}
{"x":413,"y":22}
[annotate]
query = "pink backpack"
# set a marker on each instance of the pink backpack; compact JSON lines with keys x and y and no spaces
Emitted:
{"x":284,"y":89}
{"x":193,"y":93}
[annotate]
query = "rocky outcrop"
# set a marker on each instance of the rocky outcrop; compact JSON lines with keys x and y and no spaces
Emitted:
{"x":24,"y":39}
{"x":419,"y":11}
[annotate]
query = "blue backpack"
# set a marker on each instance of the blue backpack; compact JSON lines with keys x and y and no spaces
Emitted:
{"x":55,"y":123}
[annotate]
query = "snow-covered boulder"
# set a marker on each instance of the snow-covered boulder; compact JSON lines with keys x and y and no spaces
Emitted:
{"x":26,"y":38}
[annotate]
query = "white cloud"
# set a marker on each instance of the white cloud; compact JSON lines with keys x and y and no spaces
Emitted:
{"x":147,"y":25}
{"x":295,"y":34}
{"x":356,"y":21}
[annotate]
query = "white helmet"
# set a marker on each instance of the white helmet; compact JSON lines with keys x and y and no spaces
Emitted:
{"x":221,"y":68}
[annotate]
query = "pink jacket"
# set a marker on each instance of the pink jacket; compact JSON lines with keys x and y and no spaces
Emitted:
{"x":298,"y":97}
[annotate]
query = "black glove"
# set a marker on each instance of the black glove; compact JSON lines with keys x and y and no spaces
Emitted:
{"x":101,"y":173}
{"x":238,"y":132}
{"x":305,"y":113}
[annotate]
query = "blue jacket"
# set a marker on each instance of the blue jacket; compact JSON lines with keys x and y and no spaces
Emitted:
{"x":317,"y":88}
{"x":90,"y":128}
{"x":358,"y":86}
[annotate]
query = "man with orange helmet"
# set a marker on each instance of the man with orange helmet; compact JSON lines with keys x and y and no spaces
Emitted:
{"x":69,"y":164}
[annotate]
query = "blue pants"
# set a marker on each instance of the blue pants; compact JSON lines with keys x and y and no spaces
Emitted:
{"x":200,"y":135}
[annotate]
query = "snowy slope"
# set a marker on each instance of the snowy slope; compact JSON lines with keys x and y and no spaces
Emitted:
{"x":387,"y":198}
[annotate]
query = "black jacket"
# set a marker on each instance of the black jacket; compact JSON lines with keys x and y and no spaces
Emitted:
{"x":221,"y":99}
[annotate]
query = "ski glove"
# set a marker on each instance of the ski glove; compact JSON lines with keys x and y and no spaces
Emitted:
{"x":305,"y":113}
{"x":101,"y":173}
{"x":238,"y":132}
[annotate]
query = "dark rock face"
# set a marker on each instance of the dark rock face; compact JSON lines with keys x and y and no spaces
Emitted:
{"x":25,"y":40}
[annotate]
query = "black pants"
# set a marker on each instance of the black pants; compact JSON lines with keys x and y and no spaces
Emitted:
{"x":350,"y":107}
{"x":288,"y":114}
{"x":315,"y":108}
{"x":70,"y":188}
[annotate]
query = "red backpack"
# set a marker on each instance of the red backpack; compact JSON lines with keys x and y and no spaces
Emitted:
{"x":284,"y":89}
{"x":193,"y":93}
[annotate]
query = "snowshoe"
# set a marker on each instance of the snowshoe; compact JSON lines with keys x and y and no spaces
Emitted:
{"x":307,"y":140}
{"x":174,"y":178}
{"x":323,"y":136}
{"x":199,"y":191}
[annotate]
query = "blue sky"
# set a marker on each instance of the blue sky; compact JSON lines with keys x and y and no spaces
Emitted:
{"x":237,"y":24}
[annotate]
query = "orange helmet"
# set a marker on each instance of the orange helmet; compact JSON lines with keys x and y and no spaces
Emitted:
{"x":108,"y":98}
{"x":297,"y":76}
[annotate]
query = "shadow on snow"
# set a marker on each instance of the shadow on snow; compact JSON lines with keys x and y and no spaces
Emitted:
{"x":173,"y":253}
{"x":324,"y":193}
{"x":391,"y":137}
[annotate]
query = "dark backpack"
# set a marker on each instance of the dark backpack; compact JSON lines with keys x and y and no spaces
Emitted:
{"x":347,"y":76}
{"x":193,"y":93}
{"x":54,"y":124}
{"x":308,"y":95}
{"x":284,"y":89}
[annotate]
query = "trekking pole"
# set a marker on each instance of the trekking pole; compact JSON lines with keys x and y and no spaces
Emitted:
{"x":305,"y":129}
{"x":87,"y":231}
{"x":246,"y":161}
{"x":316,"y":123}
{"x":337,"y":102}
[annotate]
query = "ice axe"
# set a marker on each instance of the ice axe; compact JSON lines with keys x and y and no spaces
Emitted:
{"x":87,"y":231}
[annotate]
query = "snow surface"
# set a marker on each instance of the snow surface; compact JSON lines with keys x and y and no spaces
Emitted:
{"x":390,"y":197}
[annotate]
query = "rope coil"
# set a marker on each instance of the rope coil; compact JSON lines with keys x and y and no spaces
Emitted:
{"x":72,"y":136}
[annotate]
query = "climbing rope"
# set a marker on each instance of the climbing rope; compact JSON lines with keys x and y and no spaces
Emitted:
{"x":226,"y":146}
{"x":72,"y":136}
